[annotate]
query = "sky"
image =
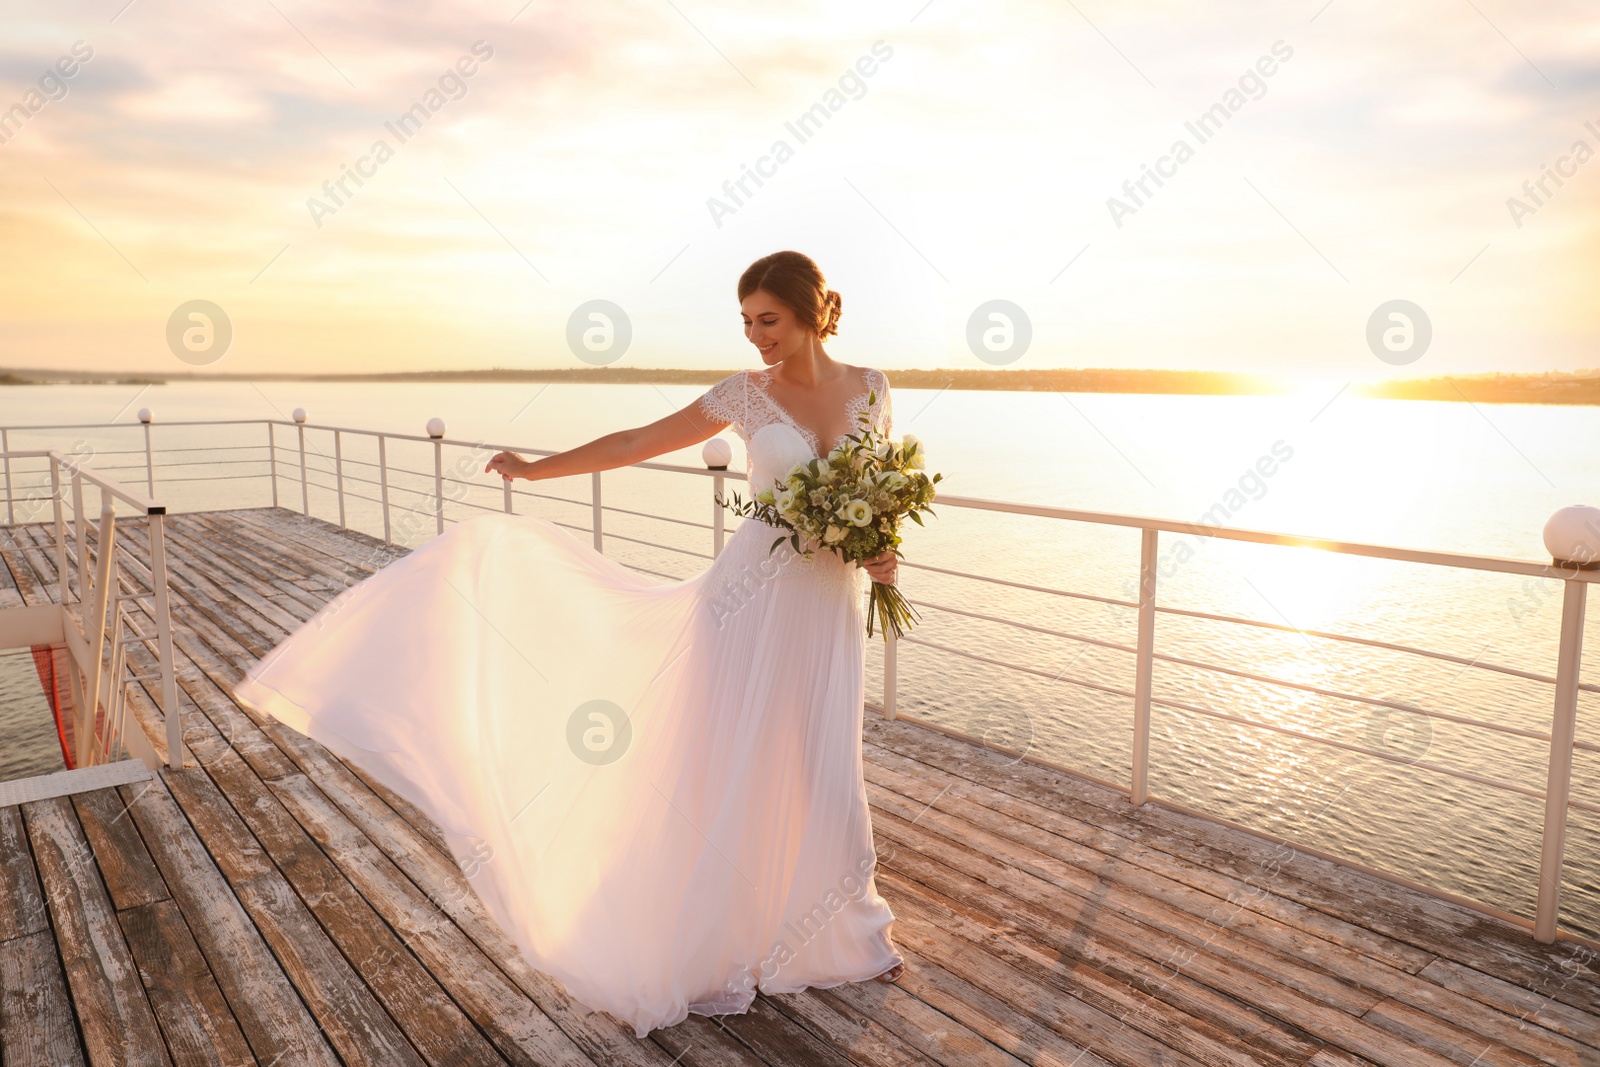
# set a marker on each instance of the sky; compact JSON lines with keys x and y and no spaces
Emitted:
{"x":1317,"y":162}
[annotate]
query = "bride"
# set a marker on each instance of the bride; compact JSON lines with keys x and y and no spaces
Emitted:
{"x":656,"y":789}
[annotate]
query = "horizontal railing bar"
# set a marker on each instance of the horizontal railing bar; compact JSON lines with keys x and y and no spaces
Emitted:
{"x":214,"y":478}
{"x":200,"y":463}
{"x":653,"y":544}
{"x":1017,"y":585}
{"x":138,"y":425}
{"x":1467,"y":775}
{"x":1373,"y":642}
{"x":1059,"y":676}
{"x":1265,"y":678}
{"x":658,"y":518}
{"x":1537,"y":794}
{"x":1405,"y":555}
{"x":1236,"y":719}
{"x":674,"y":468}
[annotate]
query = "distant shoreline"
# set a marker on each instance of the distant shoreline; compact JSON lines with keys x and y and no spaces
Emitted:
{"x":1582,"y":387}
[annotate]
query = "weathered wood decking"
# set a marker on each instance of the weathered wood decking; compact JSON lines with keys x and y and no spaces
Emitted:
{"x":272,"y":906}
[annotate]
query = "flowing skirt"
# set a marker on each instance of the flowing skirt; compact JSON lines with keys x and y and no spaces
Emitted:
{"x":656,"y":789}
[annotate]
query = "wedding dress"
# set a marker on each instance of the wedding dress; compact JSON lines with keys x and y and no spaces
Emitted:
{"x":656,"y":789}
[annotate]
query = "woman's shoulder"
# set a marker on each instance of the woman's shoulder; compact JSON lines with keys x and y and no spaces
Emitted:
{"x":875,"y":378}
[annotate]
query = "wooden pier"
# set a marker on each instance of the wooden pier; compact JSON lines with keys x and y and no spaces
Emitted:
{"x":270,"y":905}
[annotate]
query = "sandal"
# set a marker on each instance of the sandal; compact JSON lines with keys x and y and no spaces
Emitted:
{"x":892,"y":974}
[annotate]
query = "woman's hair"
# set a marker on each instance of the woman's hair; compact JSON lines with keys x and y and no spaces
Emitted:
{"x":795,"y":279}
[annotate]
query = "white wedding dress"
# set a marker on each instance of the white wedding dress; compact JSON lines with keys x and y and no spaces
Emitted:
{"x":656,"y":789}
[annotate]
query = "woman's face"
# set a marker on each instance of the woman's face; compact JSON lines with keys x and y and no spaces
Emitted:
{"x":772,"y":327}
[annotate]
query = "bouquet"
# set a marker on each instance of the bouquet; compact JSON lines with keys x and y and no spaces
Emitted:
{"x":851,"y":504}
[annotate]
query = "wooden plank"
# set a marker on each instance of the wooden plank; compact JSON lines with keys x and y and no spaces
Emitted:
{"x":441,"y":1032}
{"x":118,"y":1025}
{"x":859,"y":1036}
{"x":777,"y":1040}
{"x":518,"y":1028}
{"x":1533,"y":1006}
{"x":1132,"y":858}
{"x":1090,"y":1019}
{"x":22,"y":910}
{"x":130,"y":874}
{"x":195,"y":1019}
{"x":954,"y":1022}
{"x":20,"y":571}
{"x":269,"y":1011}
{"x":1054,"y":919}
{"x":1331,"y":956}
{"x":10,"y":595}
{"x":1425,"y":1031}
{"x":357,"y":1026}
{"x":1380,"y":905}
{"x":344,"y":546}
{"x":37,"y":1028}
{"x":1165,"y":928}
{"x":419,"y":819}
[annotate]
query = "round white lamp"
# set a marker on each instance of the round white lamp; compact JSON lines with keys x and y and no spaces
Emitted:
{"x":436,"y":427}
{"x":298,"y":415}
{"x":145,"y":415}
{"x":717,"y":453}
{"x":1573,"y":536}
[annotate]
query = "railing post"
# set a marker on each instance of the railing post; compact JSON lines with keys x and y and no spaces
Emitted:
{"x":438,"y":486}
{"x":305,"y":494}
{"x":383,"y":486}
{"x":594,"y":488}
{"x":272,"y":458}
{"x":104,"y":578}
{"x":63,"y":587}
{"x":338,"y":473}
{"x":79,"y":531}
{"x":891,"y":671}
{"x":163,"y":613}
{"x":1144,"y":659}
{"x":718,"y":522}
{"x":1558,"y":785}
{"x":149,"y":463}
{"x":5,"y":447}
{"x":505,"y":485}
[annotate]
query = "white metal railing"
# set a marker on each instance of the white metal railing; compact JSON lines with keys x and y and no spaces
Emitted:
{"x":425,"y":494}
{"x":93,"y":616}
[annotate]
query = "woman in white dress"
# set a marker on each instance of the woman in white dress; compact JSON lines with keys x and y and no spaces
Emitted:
{"x":656,"y":789}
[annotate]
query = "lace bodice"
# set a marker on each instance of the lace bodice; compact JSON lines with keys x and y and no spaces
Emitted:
{"x":773,"y":440}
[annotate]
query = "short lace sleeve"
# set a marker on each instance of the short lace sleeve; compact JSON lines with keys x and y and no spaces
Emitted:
{"x":728,"y":400}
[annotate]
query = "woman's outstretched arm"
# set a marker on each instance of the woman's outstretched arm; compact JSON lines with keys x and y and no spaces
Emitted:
{"x":685,"y":427}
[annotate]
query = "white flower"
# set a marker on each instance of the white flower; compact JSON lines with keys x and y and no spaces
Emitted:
{"x":832,"y":535}
{"x":859,"y":512}
{"x":909,"y":442}
{"x":784,"y":500}
{"x":765,"y":496}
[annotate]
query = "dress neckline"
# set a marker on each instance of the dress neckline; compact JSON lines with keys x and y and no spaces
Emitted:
{"x":764,"y":375}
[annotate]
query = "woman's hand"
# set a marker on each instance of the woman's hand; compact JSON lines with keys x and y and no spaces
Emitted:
{"x":508,"y":465}
{"x":881,"y":567}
